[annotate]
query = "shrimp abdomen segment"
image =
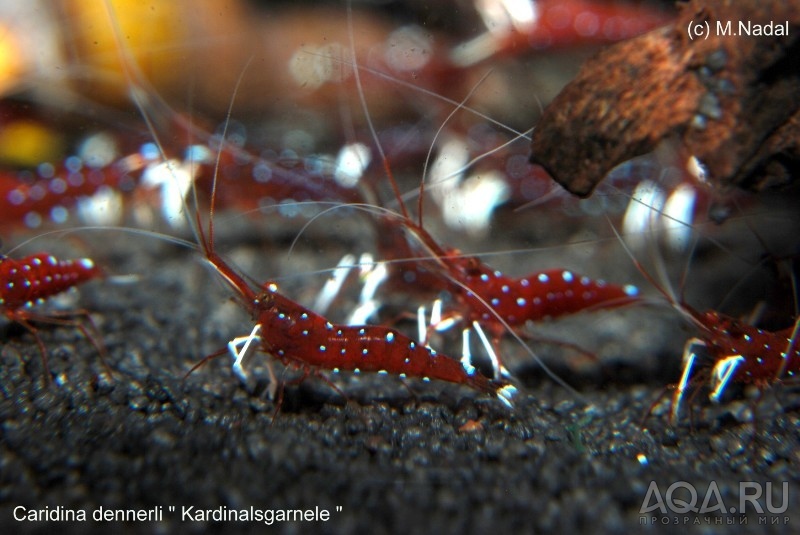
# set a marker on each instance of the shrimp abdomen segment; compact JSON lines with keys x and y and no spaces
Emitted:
{"x":547,"y":294}
{"x":37,"y":277}
{"x":299,"y":336}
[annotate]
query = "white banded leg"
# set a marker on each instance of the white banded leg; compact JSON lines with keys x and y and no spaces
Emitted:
{"x":436,"y":322}
{"x":372,"y":274}
{"x":334,"y":284}
{"x":498,"y":369}
{"x":642,"y":213}
{"x":466,"y":353}
{"x":440,"y":325}
{"x":247,"y":349}
{"x":689,"y":356}
{"x":722,"y":374}
{"x":791,"y":347}
{"x":506,"y":393}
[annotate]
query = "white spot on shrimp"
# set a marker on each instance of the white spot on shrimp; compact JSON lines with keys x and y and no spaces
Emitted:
{"x":495,"y":302}
{"x":57,"y":186}
{"x":525,"y":283}
{"x":521,"y":301}
{"x":484,"y":277}
{"x":46,"y":170}
{"x":272,"y":287}
{"x":567,"y":276}
{"x":351,"y":163}
{"x":505,"y":289}
{"x":587,"y":24}
{"x":15,"y":197}
{"x":32,"y":220}
{"x":37,"y":192}
{"x":390,"y":337}
{"x":262,"y":172}
{"x":543,"y":278}
{"x":382,"y":372}
{"x":323,"y":348}
{"x":59,"y":214}
{"x":630,"y":290}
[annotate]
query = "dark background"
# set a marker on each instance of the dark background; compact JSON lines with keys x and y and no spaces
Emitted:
{"x":432,"y":457}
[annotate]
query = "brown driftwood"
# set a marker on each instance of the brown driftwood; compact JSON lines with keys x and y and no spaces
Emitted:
{"x":731,"y":100}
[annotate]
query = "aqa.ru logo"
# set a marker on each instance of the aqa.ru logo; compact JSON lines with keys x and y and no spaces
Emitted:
{"x":684,"y":501}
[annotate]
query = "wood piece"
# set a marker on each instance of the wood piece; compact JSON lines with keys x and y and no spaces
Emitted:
{"x":731,"y":100}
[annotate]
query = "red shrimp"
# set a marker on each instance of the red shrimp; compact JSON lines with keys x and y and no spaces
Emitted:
{"x":51,"y":192}
{"x":30,"y":200}
{"x":726,"y":350}
{"x":734,"y":352}
{"x":486,"y":298}
{"x":303,"y":339}
{"x":31,"y":280}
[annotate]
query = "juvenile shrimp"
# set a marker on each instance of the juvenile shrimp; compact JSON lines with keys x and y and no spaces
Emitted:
{"x":30,"y":281}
